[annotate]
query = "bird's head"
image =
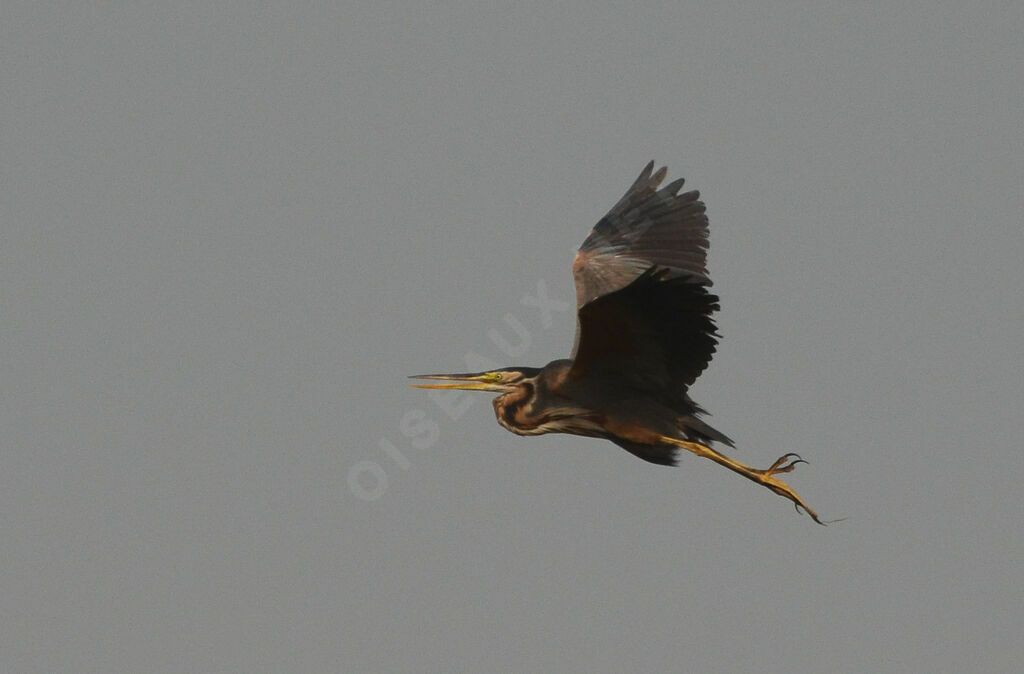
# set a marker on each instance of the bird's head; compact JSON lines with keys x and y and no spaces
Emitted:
{"x":522,"y":407}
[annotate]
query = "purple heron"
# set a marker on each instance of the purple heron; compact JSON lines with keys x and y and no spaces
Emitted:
{"x":644,"y":334}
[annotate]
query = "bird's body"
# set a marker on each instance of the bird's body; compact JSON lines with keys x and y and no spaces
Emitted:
{"x":644,"y":335}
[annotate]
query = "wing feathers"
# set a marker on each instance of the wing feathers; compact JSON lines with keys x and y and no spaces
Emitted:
{"x":641,"y":290}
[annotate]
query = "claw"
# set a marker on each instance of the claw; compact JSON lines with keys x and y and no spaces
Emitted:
{"x":780,"y":464}
{"x":784,"y":464}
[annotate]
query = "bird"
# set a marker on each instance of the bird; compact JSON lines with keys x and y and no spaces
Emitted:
{"x":645,"y":332}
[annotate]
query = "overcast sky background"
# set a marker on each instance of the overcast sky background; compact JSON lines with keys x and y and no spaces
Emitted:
{"x":230,"y":230}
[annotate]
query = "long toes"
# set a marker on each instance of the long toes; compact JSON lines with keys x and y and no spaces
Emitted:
{"x":784,"y":458}
{"x":787,"y":468}
{"x":785,"y":464}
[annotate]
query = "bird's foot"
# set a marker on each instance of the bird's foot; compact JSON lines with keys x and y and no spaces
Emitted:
{"x":784,"y":464}
{"x":766,"y":477}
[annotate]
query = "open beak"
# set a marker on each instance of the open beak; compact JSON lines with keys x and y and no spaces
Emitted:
{"x":479,"y":381}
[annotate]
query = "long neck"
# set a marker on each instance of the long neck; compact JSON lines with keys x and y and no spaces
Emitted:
{"x":515,"y":410}
{"x":535,"y":407}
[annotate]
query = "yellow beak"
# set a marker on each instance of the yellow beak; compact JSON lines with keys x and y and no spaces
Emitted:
{"x":479,"y":381}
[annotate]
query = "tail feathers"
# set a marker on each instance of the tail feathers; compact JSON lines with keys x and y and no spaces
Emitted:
{"x":695,"y":429}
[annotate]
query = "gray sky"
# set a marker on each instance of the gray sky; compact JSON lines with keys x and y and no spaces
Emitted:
{"x":230,"y":231}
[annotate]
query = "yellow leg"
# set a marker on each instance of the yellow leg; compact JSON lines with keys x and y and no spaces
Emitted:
{"x":766,"y":477}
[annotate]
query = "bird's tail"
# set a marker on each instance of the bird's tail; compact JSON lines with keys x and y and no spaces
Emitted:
{"x":695,"y":429}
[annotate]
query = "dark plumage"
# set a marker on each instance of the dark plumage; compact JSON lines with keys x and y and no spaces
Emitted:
{"x":644,"y":334}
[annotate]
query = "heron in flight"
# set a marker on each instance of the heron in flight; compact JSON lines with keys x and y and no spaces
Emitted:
{"x":644,"y":334}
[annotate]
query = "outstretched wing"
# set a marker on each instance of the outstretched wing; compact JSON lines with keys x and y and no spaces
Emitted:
{"x":644,"y":310}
